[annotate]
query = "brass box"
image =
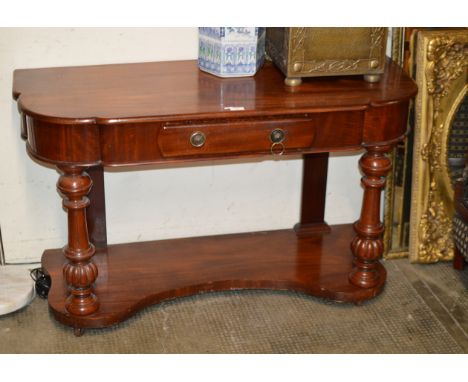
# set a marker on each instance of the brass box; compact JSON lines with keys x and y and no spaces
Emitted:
{"x":315,"y":52}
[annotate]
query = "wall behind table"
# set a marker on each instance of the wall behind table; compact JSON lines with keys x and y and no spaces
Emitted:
{"x":151,"y":203}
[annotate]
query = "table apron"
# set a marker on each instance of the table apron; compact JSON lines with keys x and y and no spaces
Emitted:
{"x":140,"y":142}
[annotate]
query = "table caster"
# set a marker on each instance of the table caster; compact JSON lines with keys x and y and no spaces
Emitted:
{"x":78,"y":332}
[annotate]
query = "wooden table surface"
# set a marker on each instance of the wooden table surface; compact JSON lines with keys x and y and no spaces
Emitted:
{"x":117,"y":93}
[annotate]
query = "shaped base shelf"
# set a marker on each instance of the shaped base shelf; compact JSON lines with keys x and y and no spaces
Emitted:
{"x":133,"y":276}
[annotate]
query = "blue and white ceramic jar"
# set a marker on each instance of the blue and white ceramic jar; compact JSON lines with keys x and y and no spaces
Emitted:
{"x":231,"y":51}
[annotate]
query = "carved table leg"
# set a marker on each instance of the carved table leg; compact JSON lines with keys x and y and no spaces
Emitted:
{"x":367,"y":246}
{"x":79,"y":272}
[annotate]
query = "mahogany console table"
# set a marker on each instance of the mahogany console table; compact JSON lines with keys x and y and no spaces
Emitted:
{"x":82,"y":119}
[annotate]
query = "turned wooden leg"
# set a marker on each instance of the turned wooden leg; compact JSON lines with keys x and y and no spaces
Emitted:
{"x":367,"y":246}
{"x":79,"y":272}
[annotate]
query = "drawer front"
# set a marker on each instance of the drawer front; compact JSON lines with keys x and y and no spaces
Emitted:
{"x":261,"y":136}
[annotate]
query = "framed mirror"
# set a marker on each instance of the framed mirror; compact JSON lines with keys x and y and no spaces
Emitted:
{"x":419,"y":193}
{"x":440,"y":141}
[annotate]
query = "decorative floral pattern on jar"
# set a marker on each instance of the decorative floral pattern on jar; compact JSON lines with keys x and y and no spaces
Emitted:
{"x":231,"y":51}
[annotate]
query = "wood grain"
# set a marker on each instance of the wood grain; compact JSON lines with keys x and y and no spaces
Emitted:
{"x":135,"y":114}
{"x":79,"y":271}
{"x":109,"y":94}
{"x":367,"y":246}
{"x":96,"y":211}
{"x":314,"y":192}
{"x":132,"y":276}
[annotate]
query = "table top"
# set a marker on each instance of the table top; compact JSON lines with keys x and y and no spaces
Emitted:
{"x":119,"y":93}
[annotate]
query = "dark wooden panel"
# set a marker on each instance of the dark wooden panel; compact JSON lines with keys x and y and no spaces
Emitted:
{"x":385,"y":123}
{"x":132,"y":276}
{"x":130,"y":143}
{"x":63,"y":143}
{"x":157,"y":142}
{"x":329,"y":129}
{"x":314,"y":192}
{"x":235,"y":137}
{"x":96,"y":211}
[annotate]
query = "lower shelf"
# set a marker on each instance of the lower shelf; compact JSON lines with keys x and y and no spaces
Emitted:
{"x":132,"y":276}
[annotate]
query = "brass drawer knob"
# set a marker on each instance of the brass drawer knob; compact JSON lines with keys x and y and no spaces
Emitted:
{"x":277,"y":136}
{"x":197,"y":139}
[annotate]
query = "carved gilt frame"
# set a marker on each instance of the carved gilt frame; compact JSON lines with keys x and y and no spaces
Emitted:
{"x":441,"y":75}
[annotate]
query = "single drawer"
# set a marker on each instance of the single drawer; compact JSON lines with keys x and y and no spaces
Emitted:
{"x":235,"y":137}
{"x":261,"y":136}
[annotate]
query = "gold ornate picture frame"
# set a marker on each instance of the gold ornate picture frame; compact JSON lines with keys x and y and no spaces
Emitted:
{"x":441,"y":75}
